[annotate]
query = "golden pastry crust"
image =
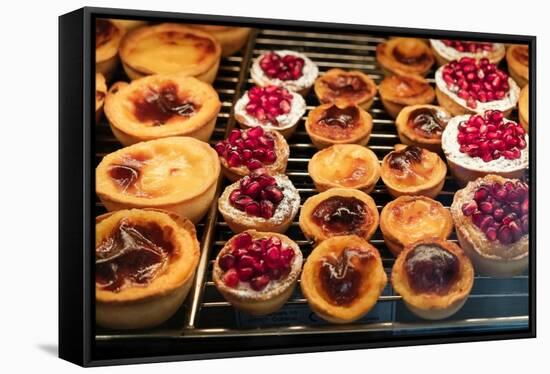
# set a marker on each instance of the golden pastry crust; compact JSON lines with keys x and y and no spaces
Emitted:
{"x":147,"y":305}
{"x":231,"y":39}
{"x":177,"y":174}
{"x":314,"y":231}
{"x":129,"y":24}
{"x":422,"y":125}
{"x":404,"y":56}
{"x":330,"y":124}
{"x":373,"y":280}
{"x":431,"y":305}
{"x":408,"y":219}
{"x":100,"y":93}
{"x":345,"y":88}
{"x":160,"y":106}
{"x":523,"y":107}
{"x":108,"y":36}
{"x":269,"y":299}
{"x":358,"y":168}
{"x":170,"y":48}
{"x":517,"y":57}
{"x":398,"y":91}
{"x":409,"y":170}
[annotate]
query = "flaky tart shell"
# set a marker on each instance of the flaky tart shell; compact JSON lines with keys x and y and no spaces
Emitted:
{"x":312,"y":231}
{"x":127,"y":127}
{"x":431,"y":305}
{"x":430,"y":188}
{"x":106,"y":54}
{"x":100,"y":93}
{"x":409,"y":137}
{"x":523,"y":107}
{"x":239,"y":221}
{"x":360,"y":134}
{"x":169,"y":48}
{"x":409,"y":219}
{"x":518,"y":68}
{"x":274,"y":296}
{"x":178,"y":174}
{"x":325,"y":175}
{"x":372,"y":286}
{"x":489,"y":257}
{"x":142,"y":306}
{"x":322,"y":91}
{"x":399,"y":91}
{"x":231,"y":39}
{"x":282,"y":151}
{"x":391,"y":65}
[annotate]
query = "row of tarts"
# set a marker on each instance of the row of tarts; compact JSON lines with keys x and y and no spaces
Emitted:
{"x":164,"y":180}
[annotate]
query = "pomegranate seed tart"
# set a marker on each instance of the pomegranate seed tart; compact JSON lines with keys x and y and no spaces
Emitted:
{"x":330,"y":124}
{"x":345,"y":88}
{"x":169,"y":48}
{"x":231,"y":39}
{"x":410,"y":170}
{"x":517,"y":57}
{"x":344,"y":165}
{"x":447,"y":50}
{"x":343,"y":278}
{"x":177,"y":174}
{"x":273,"y":108}
{"x":257,"y":271}
{"x":523,"y":107}
{"x":399,"y":91}
{"x":404,"y":56}
{"x":108,"y":36}
{"x":260,"y":201}
{"x":287,"y":69}
{"x":409,"y":219}
{"x":473,"y":86}
{"x":491,"y":217}
{"x":339,"y":211}
{"x":160,"y":106}
{"x":434,"y":277}
{"x":247,"y":150}
{"x":100,"y":93}
{"x":422,"y":125}
{"x":477,"y":145}
{"x":145,"y":261}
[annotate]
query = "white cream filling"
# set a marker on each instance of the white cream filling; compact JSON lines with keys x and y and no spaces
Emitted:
{"x":452,"y":152}
{"x":309,"y":73}
{"x":506,"y":103}
{"x":297,"y":110}
{"x":449,"y":53}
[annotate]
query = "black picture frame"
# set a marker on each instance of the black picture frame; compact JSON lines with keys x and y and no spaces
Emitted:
{"x":76,"y":198}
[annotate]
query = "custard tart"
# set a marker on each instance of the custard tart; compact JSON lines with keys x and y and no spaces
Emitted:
{"x":247,"y":150}
{"x":261,"y":202}
{"x":271,"y":107}
{"x":517,"y":57}
{"x":404,"y":56}
{"x":330,"y":124}
{"x":422,"y":125}
{"x":408,"y":219}
{"x":523,"y":107}
{"x":434,"y":277}
{"x":339,"y":211}
{"x":447,"y":50}
{"x":170,"y":48}
{"x":145,"y":261}
{"x":343,"y":278}
{"x":399,"y":91}
{"x":108,"y":37}
{"x":257,"y":271}
{"x":477,"y":145}
{"x":160,"y":106}
{"x":410,"y":170}
{"x":291,"y":70}
{"x":344,"y":165}
{"x":100,"y":93}
{"x":231,"y":39}
{"x":345,"y":88}
{"x":177,"y":174}
{"x":468,"y":86}
{"x":491,"y":217}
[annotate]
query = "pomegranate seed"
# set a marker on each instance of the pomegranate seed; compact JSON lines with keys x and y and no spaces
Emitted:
{"x":246,"y":261}
{"x":486,"y":207}
{"x":253,"y":208}
{"x":231,"y":278}
{"x":505,"y":235}
{"x":245,"y":274}
{"x":227,"y":262}
{"x":469,"y":208}
{"x":266,"y":209}
{"x":259,"y":283}
{"x":491,"y":233}
{"x":243,"y":240}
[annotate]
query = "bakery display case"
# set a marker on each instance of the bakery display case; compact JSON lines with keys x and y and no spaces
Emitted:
{"x":276,"y":187}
